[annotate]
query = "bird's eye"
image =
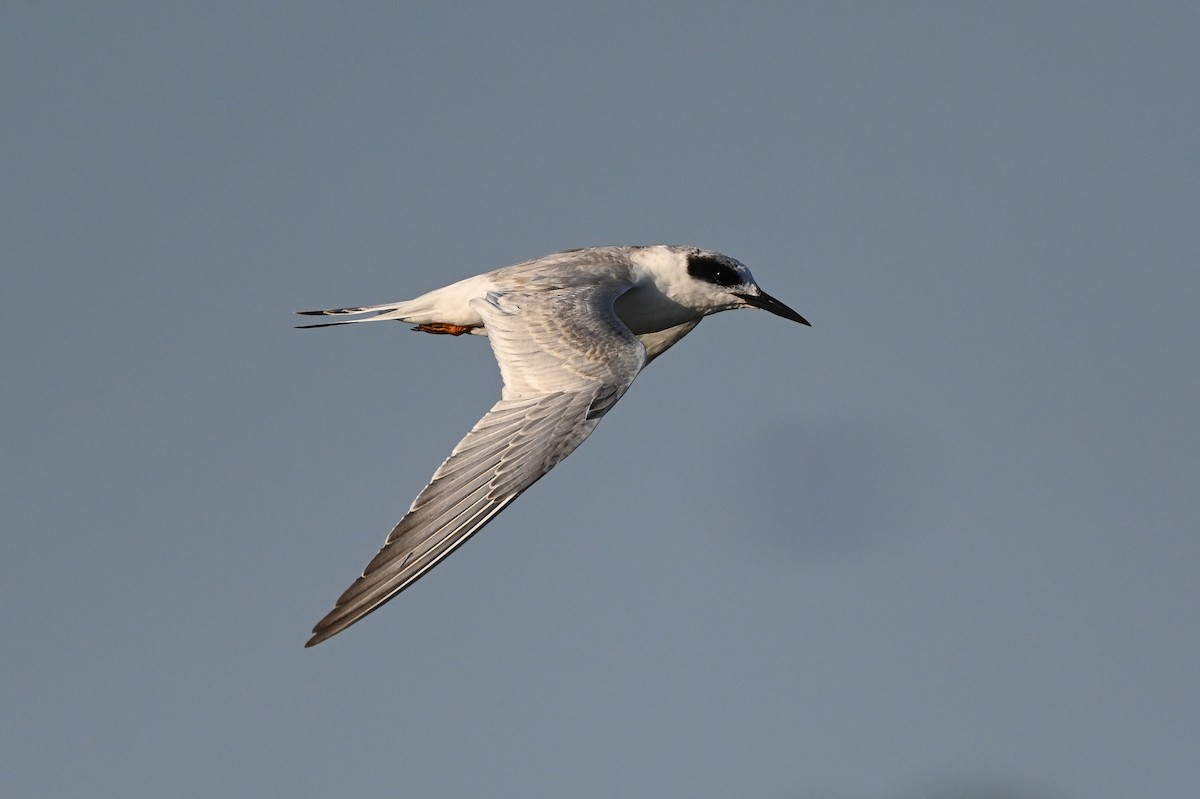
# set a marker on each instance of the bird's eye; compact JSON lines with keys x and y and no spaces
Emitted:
{"x":713,"y":271}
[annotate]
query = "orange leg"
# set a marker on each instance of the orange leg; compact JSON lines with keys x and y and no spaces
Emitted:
{"x":443,"y":328}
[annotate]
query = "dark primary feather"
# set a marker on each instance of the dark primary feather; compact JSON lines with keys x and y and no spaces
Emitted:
{"x":466,"y":492}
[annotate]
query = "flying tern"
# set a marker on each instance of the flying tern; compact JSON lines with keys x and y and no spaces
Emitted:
{"x":570,"y":332}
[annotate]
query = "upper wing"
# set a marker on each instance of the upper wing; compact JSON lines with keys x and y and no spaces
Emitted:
{"x":565,"y":359}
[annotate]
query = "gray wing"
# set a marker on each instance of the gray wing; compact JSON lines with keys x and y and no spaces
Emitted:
{"x":565,"y":359}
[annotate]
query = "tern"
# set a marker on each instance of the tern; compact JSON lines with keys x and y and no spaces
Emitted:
{"x":570,"y":332}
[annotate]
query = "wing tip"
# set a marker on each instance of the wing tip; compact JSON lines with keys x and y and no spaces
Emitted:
{"x":324,"y":631}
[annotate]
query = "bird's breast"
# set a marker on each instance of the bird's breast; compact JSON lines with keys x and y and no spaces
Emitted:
{"x":645,"y":309}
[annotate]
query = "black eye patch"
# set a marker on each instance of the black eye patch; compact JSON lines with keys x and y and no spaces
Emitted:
{"x":713,"y":271}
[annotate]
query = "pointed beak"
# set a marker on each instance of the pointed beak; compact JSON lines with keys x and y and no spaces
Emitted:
{"x":768,"y":303}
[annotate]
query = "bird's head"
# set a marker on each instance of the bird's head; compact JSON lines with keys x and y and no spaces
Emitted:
{"x":708,"y":281}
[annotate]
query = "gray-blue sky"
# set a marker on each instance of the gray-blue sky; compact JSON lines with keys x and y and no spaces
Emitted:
{"x":943,"y":543}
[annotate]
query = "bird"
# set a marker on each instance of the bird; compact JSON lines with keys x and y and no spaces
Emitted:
{"x":570,"y":332}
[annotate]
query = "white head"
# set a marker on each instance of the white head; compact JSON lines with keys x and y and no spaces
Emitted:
{"x":707,"y":281}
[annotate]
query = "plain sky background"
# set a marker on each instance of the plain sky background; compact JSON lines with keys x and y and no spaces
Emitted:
{"x":943,"y":544}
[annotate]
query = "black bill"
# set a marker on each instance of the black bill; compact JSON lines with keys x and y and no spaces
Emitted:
{"x":768,"y":303}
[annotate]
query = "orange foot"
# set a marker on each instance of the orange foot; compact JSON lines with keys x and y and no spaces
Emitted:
{"x":443,"y":328}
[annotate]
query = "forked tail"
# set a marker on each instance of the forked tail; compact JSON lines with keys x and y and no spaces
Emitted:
{"x":380,"y":313}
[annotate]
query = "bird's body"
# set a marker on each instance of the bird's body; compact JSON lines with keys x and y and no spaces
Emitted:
{"x":570,"y":332}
